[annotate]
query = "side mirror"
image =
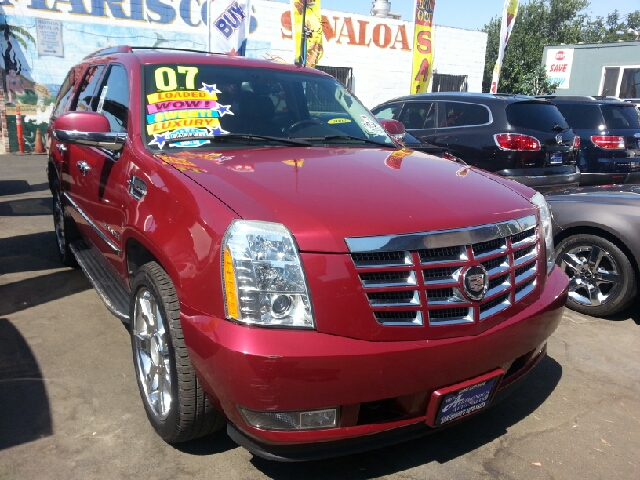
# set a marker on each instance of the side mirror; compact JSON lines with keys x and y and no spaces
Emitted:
{"x":394,"y":128}
{"x":87,"y":128}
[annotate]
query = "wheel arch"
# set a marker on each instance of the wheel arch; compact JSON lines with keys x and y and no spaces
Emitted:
{"x":137,"y":254}
{"x":52,"y":173}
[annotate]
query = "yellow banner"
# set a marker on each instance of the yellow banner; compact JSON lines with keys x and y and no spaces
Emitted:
{"x":422,"y":46}
{"x":313,"y":21}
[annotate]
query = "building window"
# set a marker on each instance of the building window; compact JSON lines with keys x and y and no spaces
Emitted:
{"x":610,"y":85}
{"x":630,"y":85}
{"x":449,"y":83}
{"x":343,"y":74}
{"x":623,"y":82}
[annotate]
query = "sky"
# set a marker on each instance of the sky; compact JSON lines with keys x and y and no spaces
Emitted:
{"x":468,"y":14}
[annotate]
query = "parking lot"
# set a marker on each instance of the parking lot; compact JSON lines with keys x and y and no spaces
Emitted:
{"x":70,"y":408}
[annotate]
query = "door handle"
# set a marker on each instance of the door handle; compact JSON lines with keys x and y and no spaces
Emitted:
{"x":84,"y":167}
{"x":62,"y":148}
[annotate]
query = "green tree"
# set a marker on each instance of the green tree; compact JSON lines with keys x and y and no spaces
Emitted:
{"x":612,"y":28}
{"x":535,"y":26}
{"x":547,"y":22}
{"x":537,"y":82}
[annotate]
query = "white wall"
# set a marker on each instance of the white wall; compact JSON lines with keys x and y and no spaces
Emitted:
{"x":380,"y":72}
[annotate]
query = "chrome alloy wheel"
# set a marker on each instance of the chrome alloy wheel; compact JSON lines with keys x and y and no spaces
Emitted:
{"x":594,"y":275}
{"x":151,"y":353}
{"x":58,"y":223}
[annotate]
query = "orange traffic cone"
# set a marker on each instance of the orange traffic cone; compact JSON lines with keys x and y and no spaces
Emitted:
{"x":38,"y":148}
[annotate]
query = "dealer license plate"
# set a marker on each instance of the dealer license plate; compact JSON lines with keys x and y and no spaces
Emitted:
{"x":465,"y":401}
{"x":556,"y":158}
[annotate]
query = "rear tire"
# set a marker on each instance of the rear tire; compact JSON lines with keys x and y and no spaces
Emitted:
{"x":64,"y":228}
{"x":602,"y":280}
{"x":175,"y":403}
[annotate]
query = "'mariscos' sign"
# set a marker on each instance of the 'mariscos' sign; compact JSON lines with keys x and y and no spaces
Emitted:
{"x":344,"y":30}
{"x":174,"y":13}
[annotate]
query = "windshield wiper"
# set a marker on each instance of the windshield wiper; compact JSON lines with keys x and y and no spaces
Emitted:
{"x":236,"y":136}
{"x":559,"y":128}
{"x":347,"y":137}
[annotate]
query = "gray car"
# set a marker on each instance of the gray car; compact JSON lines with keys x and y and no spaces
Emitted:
{"x":597,"y":237}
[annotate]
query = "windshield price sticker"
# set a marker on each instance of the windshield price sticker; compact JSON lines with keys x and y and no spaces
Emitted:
{"x":174,"y":113}
{"x":371,"y":127}
{"x":465,"y":401}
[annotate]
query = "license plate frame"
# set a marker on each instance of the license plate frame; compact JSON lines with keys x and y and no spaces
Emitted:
{"x":463,"y":399}
{"x":555,"y":159}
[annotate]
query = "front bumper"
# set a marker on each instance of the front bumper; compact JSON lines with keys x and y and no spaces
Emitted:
{"x":283,"y":370}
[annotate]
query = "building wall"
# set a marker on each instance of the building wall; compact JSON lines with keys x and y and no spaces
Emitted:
{"x":377,"y":49}
{"x":589,"y":62}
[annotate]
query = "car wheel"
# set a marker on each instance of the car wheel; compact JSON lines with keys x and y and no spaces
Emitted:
{"x":174,"y":401}
{"x":602,"y":280}
{"x":63,"y":228}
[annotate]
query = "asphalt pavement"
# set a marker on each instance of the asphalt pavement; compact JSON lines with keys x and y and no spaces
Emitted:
{"x":70,"y":408}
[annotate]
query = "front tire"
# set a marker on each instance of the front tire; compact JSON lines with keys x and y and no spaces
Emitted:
{"x":64,"y":229}
{"x":172,"y":396}
{"x":602,"y":280}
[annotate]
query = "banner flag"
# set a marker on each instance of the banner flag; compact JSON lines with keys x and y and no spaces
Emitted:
{"x":509,"y":13}
{"x":228,"y":26}
{"x":422,"y":46}
{"x":312,"y":49}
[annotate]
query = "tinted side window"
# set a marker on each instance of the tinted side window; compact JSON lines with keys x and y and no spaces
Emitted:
{"x":418,"y":115}
{"x":87,"y":98}
{"x":535,"y":116}
{"x":620,"y":116}
{"x":457,"y":114}
{"x":66,"y":89}
{"x":113,"y":101}
{"x":389,"y":112}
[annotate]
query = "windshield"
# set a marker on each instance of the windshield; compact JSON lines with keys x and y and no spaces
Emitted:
{"x":248,"y":105}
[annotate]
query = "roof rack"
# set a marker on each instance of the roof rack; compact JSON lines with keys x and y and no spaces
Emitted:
{"x":130,"y":49}
{"x":581,"y":97}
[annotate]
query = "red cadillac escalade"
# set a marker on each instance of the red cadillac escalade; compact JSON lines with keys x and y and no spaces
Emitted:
{"x":284,"y":267}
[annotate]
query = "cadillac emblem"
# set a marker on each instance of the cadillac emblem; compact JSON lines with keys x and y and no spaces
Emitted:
{"x":559,"y":139}
{"x":475,"y":281}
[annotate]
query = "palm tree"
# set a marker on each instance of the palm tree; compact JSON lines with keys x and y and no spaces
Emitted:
{"x":19,"y":33}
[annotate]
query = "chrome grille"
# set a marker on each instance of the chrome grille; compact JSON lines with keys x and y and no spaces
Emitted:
{"x":446,"y":254}
{"x":388,"y":279}
{"x":508,"y":251}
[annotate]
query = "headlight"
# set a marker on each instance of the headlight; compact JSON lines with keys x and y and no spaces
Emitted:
{"x":264,"y":283}
{"x":545,"y":219}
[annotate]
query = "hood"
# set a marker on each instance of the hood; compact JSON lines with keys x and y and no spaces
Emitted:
{"x":325,"y":194}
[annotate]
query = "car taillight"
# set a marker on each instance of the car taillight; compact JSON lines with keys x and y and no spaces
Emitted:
{"x":576,"y":142}
{"x":514,"y":141}
{"x":608,"y":141}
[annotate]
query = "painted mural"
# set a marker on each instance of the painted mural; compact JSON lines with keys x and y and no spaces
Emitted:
{"x":31,"y":77}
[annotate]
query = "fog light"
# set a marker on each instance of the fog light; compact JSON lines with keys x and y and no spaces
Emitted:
{"x":309,"y":420}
